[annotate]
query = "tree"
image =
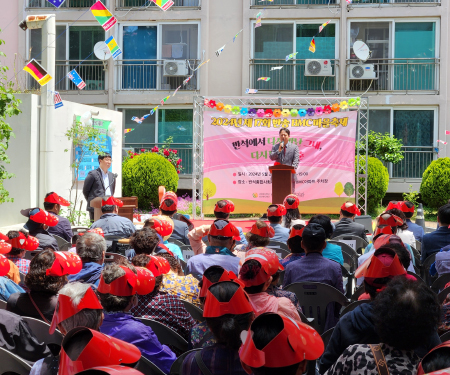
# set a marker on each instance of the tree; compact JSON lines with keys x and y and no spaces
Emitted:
{"x":338,"y":188}
{"x":209,"y":188}
{"x":349,"y":189}
{"x":385,"y":147}
{"x":9,"y":106}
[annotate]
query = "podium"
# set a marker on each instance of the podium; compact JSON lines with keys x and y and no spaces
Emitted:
{"x":129,"y":204}
{"x":283,"y":182}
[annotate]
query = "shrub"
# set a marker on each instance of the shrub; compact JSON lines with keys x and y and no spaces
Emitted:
{"x":385,"y":147}
{"x":143,"y":174}
{"x":377,"y":184}
{"x":435,"y":187}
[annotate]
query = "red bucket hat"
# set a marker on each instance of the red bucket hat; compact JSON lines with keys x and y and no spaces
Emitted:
{"x":280,"y":211}
{"x":224,"y":228}
{"x":40,"y":216}
{"x":65,"y":263}
{"x":111,"y":201}
{"x":206,"y":283}
{"x":420,"y":371}
{"x":293,"y":205}
{"x":65,"y":308}
{"x":56,"y":199}
{"x":384,"y":262}
{"x":169,"y":195}
{"x":23,"y":242}
{"x":238,"y":304}
{"x":296,"y":342}
{"x":351,"y":208}
{"x":228,"y":208}
{"x":100,"y":350}
{"x":296,"y":232}
{"x":4,"y":265}
{"x":266,"y":231}
{"x":129,"y":284}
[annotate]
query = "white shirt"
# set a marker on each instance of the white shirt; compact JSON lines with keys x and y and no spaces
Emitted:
{"x":407,"y":237}
{"x":106,"y":182}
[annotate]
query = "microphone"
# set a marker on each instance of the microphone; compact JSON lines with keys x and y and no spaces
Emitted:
{"x":115,"y":175}
{"x":282,"y":145}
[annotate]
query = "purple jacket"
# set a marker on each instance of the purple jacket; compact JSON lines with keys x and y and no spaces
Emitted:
{"x":125,"y":327}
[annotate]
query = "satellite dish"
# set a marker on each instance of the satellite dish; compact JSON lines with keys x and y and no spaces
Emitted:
{"x":361,"y":50}
{"x":101,"y":51}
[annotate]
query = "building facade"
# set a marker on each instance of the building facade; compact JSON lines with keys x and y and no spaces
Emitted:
{"x":408,"y":41}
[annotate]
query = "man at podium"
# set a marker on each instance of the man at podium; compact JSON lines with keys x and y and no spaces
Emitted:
{"x":284,"y":152}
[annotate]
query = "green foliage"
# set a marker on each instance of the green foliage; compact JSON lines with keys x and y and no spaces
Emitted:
{"x":377,"y":183}
{"x":9,"y":106}
{"x":412,"y":196}
{"x":349,"y":189}
{"x":143,"y":174}
{"x":435,"y":187}
{"x":385,"y":147}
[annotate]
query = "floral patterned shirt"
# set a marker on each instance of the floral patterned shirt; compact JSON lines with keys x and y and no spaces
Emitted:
{"x":185,"y":287}
{"x":201,"y":336}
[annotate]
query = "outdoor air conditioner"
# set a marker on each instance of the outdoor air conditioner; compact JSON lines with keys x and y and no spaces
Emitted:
{"x":174,"y":68}
{"x":318,"y":68}
{"x":362,"y":71}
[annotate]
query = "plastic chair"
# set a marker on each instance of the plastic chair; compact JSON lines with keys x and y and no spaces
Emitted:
{"x":353,"y":306}
{"x":359,"y":242}
{"x":76,"y":230}
{"x":350,"y":263}
{"x":22,"y":277}
{"x":426,"y":269}
{"x":419,"y":246}
{"x":166,"y":335}
{"x":358,"y":292}
{"x":149,"y":368}
{"x":11,"y":363}
{"x":113,"y":257}
{"x":326,"y":336}
{"x":314,"y":299}
{"x":177,"y":365}
{"x":3,"y":305}
{"x":183,"y":265}
{"x":281,"y":279}
{"x":40,"y":330}
{"x":187,"y":253}
{"x":176,"y":242}
{"x":365,"y":220}
{"x":278,"y":245}
{"x":443,"y":295}
{"x":195,"y":311}
{"x":445,"y":336}
{"x":62,"y":243}
{"x":31,"y":254}
{"x":440,"y":282}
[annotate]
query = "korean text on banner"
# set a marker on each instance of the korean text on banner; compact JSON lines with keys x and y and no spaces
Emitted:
{"x":103,"y":15}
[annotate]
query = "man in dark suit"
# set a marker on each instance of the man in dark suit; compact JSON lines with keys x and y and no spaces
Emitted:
{"x":433,"y":242}
{"x":347,"y":225}
{"x":52,"y":204}
{"x":99,"y":182}
{"x":168,"y":207}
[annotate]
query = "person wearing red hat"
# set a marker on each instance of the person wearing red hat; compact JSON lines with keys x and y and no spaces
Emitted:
{"x":259,"y":235}
{"x":118,"y":289}
{"x":295,"y":245}
{"x":227,"y":312}
{"x":292,"y":217}
{"x":159,"y":305}
{"x":436,"y":359}
{"x":408,"y":209}
{"x":38,"y":223}
{"x":346,"y":224}
{"x":52,"y":204}
{"x":403,"y":230}
{"x":111,"y":223}
{"x":168,"y":207}
{"x":277,"y":345}
{"x":405,"y":315}
{"x":222,"y":239}
{"x":19,"y":245}
{"x":275,"y":213}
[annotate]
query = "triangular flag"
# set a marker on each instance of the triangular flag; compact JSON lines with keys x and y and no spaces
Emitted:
{"x":164,"y":100}
{"x":37,"y":72}
{"x":103,"y":15}
{"x":234,"y":38}
{"x":113,"y":47}
{"x":258,"y":20}
{"x":220,"y":50}
{"x":127,"y":131}
{"x":57,"y":100}
{"x":312,"y":46}
{"x":163,"y":4}
{"x":321,"y":27}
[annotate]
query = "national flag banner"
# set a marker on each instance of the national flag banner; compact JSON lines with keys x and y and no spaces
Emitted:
{"x":153,"y":111}
{"x":164,"y":100}
{"x":187,"y":80}
{"x":57,"y":100}
{"x":251,"y":91}
{"x":203,"y":63}
{"x":321,"y":27}
{"x":76,"y":79}
{"x":113,"y":47}
{"x":164,"y":4}
{"x":103,"y":15}
{"x":37,"y":72}
{"x":312,"y":46}
{"x":127,"y":131}
{"x":234,"y":38}
{"x":291,"y":56}
{"x":447,"y":132}
{"x":276,"y":68}
{"x":179,"y":87}
{"x":264,"y":79}
{"x":258,"y":20}
{"x":220,"y":50}
{"x":136,"y":119}
{"x":443,"y":142}
{"x":56,"y":3}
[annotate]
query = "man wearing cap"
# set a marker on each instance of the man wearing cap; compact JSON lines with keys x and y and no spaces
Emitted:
{"x":347,"y":225}
{"x":408,"y":209}
{"x":221,"y":240}
{"x":275,"y":214}
{"x":52,"y":204}
{"x":38,"y":223}
{"x":99,"y":182}
{"x":111,"y":223}
{"x":168,"y":207}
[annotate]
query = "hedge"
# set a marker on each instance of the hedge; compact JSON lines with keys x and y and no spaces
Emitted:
{"x":377,"y":184}
{"x":435,"y":187}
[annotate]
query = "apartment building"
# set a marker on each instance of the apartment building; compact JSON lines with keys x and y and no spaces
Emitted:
{"x":408,"y":40}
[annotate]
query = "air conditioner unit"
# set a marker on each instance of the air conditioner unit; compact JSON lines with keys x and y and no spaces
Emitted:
{"x":315,"y":67}
{"x":362,"y":71}
{"x":174,"y":68}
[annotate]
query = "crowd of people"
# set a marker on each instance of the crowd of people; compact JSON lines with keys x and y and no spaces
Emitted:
{"x":249,"y":323}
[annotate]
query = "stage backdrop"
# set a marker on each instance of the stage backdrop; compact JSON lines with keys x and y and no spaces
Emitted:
{"x":237,"y":157}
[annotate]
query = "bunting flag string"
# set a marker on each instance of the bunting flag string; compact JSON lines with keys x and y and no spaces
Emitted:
{"x":103,"y":15}
{"x":312,"y":46}
{"x":220,"y":50}
{"x":128,"y":130}
{"x":113,"y":47}
{"x":163,"y":4}
{"x":37,"y":72}
{"x":76,"y":79}
{"x":56,"y":3}
{"x":234,"y":38}
{"x":57,"y":100}
{"x":258,"y":20}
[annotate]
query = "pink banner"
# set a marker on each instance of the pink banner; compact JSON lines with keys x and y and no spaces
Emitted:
{"x":237,"y":159}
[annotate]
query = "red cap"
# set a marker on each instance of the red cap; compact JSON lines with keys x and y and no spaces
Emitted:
{"x":3,"y":237}
{"x":40,"y":216}
{"x":280,"y":211}
{"x":405,"y":208}
{"x":111,"y":370}
{"x":100,"y":350}
{"x":391,"y":220}
{"x":5,"y":247}
{"x":24,"y":242}
{"x":392,"y":205}
{"x":65,"y":263}
{"x":129,"y":284}
{"x":296,"y":232}
{"x":266,"y":231}
{"x":420,"y":371}
{"x":383,"y":263}
{"x":4,"y":265}
{"x":270,"y":255}
{"x":55,"y":198}
{"x":158,"y":265}
{"x":169,"y":195}
{"x":224,"y":228}
{"x":238,"y":304}
{"x":386,"y":239}
{"x":162,"y":227}
{"x":293,"y":205}
{"x":98,"y":231}
{"x":296,"y":342}
{"x":228,"y":208}
{"x":269,"y":262}
{"x":111,"y":201}
{"x":66,"y":309}
{"x":351,"y":208}
{"x":206,"y":283}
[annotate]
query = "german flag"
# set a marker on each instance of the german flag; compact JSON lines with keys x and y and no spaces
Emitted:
{"x":37,"y":72}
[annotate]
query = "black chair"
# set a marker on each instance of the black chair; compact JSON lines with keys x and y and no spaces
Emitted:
{"x":426,"y":270}
{"x":281,"y":279}
{"x":31,"y":254}
{"x":443,"y":295}
{"x":359,"y":242}
{"x":148,"y":368}
{"x":358,"y":292}
{"x":440,"y":282}
{"x":13,"y":364}
{"x":166,"y":335}
{"x":416,"y":276}
{"x":176,"y":242}
{"x":445,"y":336}
{"x":195,"y":311}
{"x":62,"y":243}
{"x":40,"y":330}
{"x":275,"y":245}
{"x":353,"y":306}
{"x":2,"y":305}
{"x":419,"y":246}
{"x":350,"y":263}
{"x":175,"y":369}
{"x":183,"y":265}
{"x":314,"y":299}
{"x":365,"y":220}
{"x":22,"y":277}
{"x":326,"y":336}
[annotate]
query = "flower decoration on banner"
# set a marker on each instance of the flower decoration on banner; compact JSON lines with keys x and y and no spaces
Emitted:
{"x":335,"y":107}
{"x":294,"y":112}
{"x":206,"y":102}
{"x":268,"y":113}
{"x":227,"y":108}
{"x":319,"y":111}
{"x":252,"y":112}
{"x":344,"y":105}
{"x":310,"y":111}
{"x":212,"y":104}
{"x":285,"y":112}
{"x":277,"y":113}
{"x":327,"y":109}
{"x":236,"y":110}
{"x":260,"y":112}
{"x":302,"y":112}
{"x":353,"y":102}
{"x":219,"y":106}
{"x":244,"y":111}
